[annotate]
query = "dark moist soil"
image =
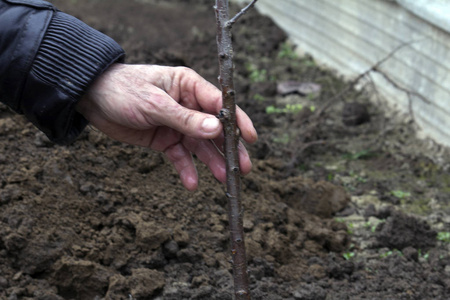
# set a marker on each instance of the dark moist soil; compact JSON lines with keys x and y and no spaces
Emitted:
{"x":331,"y":211}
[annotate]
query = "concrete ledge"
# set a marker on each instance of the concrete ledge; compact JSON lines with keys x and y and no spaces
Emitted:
{"x":436,"y":12}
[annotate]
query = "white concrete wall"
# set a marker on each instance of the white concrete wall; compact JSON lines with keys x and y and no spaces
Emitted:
{"x":352,"y":35}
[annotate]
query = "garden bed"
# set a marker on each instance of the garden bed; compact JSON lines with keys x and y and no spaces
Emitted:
{"x":331,"y":211}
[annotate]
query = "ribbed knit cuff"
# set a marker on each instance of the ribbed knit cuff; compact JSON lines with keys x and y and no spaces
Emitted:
{"x":71,"y":56}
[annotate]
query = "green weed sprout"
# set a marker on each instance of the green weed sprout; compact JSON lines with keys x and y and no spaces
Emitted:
{"x":256,"y":75}
{"x":443,"y":236}
{"x":400,"y":194}
{"x":287,"y":51}
{"x":288,"y":109}
{"x":348,"y":255}
{"x":259,"y":98}
{"x":390,"y":252}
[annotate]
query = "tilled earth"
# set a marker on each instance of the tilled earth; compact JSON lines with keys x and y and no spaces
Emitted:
{"x":331,"y":211}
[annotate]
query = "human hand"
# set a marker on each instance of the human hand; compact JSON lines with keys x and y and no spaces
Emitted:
{"x":167,"y":109}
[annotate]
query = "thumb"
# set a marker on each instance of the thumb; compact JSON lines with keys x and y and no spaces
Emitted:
{"x":190,"y":122}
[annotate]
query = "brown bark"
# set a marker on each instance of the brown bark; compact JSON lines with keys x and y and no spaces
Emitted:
{"x":231,"y":132}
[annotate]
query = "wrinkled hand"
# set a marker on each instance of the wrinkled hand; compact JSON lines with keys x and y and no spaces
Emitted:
{"x":167,"y":109}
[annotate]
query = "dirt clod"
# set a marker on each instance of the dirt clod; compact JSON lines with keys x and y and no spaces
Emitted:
{"x":354,"y":114}
{"x":401,"y":231}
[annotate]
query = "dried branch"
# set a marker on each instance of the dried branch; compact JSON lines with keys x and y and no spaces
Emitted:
{"x":240,"y":14}
{"x":228,"y":117}
{"x":355,"y":81}
{"x":309,"y":125}
{"x":408,"y":92}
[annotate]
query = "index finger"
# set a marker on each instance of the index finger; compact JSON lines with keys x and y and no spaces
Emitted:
{"x":199,"y":92}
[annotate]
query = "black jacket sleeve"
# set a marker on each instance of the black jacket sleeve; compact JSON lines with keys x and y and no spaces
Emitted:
{"x":48,"y":59}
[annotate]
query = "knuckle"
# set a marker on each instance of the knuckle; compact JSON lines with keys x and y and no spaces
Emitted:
{"x":188,"y":119}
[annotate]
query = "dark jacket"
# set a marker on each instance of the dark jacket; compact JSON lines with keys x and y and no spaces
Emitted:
{"x":47,"y":61}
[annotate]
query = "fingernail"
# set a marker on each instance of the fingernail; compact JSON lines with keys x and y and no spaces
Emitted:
{"x":210,"y":124}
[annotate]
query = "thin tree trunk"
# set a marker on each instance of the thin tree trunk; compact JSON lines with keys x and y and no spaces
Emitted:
{"x":231,"y":131}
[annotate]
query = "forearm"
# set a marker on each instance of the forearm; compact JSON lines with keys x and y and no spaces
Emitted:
{"x":48,"y":60}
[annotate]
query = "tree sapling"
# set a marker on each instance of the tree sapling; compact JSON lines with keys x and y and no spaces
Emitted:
{"x":231,"y":131}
